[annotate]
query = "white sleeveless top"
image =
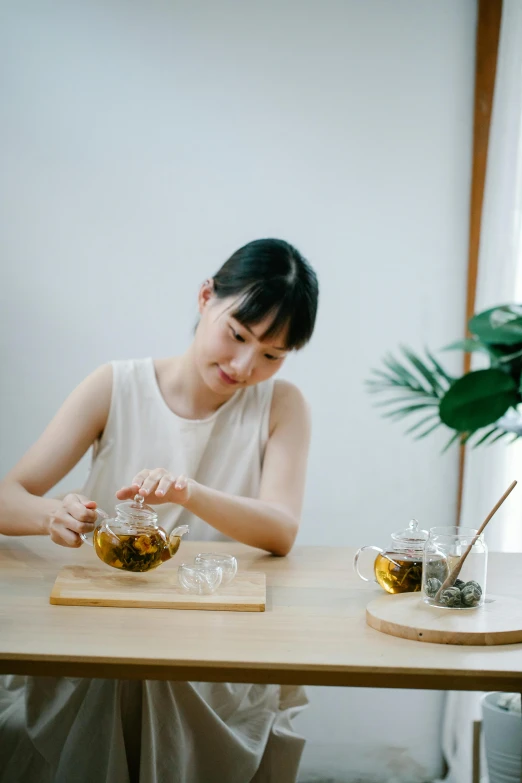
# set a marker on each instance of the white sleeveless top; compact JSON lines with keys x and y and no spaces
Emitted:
{"x":224,"y":451}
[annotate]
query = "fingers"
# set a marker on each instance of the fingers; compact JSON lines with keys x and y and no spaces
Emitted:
{"x":126,"y":493}
{"x":181,"y":483}
{"x":64,"y":537}
{"x":65,"y":529}
{"x":140,"y":477}
{"x":86,"y":501}
{"x":78,"y":527}
{"x":165,"y":483}
{"x":76,"y":515}
{"x":152,"y":480}
{"x":78,"y":509}
{"x":68,"y":522}
{"x":158,"y":482}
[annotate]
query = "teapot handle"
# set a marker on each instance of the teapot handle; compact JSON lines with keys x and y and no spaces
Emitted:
{"x":88,"y":538}
{"x":356,"y":561}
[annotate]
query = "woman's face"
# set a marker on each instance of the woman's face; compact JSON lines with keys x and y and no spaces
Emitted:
{"x":229,"y":355}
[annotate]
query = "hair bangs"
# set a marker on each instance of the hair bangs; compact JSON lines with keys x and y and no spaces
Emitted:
{"x":289,"y":317}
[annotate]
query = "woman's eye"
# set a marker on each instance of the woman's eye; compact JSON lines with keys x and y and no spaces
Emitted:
{"x":238,"y":337}
{"x":272,"y":358}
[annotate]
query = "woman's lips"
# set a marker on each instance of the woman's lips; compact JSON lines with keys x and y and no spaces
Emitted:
{"x":226,"y":378}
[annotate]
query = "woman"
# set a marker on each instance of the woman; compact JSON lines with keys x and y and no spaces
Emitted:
{"x":217,"y":444}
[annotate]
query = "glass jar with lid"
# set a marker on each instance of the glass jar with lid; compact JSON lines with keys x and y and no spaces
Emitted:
{"x":448,"y":581}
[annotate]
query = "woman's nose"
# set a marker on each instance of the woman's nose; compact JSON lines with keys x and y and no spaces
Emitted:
{"x":243,"y":364}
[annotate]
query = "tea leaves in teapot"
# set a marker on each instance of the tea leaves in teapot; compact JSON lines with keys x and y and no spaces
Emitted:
{"x":398,"y":573}
{"x":137,"y":552}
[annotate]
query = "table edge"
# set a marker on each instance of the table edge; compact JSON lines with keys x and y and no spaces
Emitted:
{"x":354,"y":677}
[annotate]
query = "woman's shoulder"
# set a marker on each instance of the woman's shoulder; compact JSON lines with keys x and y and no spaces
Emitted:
{"x":286,"y":390}
{"x":99,"y":381}
{"x":287,"y":400}
{"x":131,"y":372}
{"x":121,"y":377}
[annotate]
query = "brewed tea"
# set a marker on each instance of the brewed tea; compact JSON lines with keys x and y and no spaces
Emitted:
{"x":398,"y":573}
{"x":136,"y":552}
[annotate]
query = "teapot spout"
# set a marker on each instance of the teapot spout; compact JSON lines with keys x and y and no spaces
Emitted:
{"x":175,"y":538}
{"x":180,"y":531}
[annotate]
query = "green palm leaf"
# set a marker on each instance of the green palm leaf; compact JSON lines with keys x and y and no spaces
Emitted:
{"x":429,"y":375}
{"x":439,"y":368}
{"x":412,"y":386}
{"x":428,"y":431}
{"x":400,"y":413}
{"x":491,"y":431}
{"x":393,"y":400}
{"x":418,"y":386}
{"x":452,"y":440}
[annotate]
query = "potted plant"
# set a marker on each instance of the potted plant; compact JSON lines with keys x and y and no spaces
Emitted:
{"x":481,"y":406}
{"x":502,"y":729}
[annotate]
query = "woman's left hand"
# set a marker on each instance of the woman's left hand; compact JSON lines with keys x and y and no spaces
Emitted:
{"x":157,"y":486}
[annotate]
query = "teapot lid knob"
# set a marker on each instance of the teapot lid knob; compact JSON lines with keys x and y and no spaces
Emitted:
{"x":412,"y":535}
{"x":137,"y":508}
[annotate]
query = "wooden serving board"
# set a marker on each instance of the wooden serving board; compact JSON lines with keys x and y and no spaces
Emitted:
{"x":499,"y":621}
{"x":158,"y":589}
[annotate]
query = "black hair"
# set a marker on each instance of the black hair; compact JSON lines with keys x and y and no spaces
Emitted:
{"x":271,"y":278}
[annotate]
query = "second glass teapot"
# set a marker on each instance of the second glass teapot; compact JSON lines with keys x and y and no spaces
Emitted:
{"x":398,"y":569}
{"x":133,"y":540}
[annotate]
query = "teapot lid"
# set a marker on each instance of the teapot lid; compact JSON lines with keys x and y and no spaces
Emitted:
{"x":411,"y":536}
{"x":137,"y":509}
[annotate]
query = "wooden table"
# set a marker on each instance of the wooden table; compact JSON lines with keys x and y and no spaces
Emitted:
{"x":313,"y":631}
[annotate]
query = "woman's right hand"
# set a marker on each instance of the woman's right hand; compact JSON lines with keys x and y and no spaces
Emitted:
{"x":76,"y":514}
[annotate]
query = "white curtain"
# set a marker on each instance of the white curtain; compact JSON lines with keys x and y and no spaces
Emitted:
{"x":490,"y":470}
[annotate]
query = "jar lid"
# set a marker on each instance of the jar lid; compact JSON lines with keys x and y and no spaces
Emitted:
{"x":411,"y":536}
{"x":137,"y":509}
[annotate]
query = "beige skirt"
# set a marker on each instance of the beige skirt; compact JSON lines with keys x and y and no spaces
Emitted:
{"x":59,"y":730}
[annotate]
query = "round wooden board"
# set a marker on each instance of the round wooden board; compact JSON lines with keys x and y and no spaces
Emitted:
{"x":499,"y":621}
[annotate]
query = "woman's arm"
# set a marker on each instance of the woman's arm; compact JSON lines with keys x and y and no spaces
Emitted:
{"x":270,"y":522}
{"x":80,"y":420}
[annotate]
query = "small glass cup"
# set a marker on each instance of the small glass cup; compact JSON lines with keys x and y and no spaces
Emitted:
{"x":442,"y":551}
{"x":227,"y":563}
{"x":199,"y":578}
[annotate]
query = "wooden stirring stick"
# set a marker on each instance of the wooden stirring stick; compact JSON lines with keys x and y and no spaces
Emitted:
{"x":450,"y":580}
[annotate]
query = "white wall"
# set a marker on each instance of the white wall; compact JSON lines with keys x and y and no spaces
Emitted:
{"x":144,"y":142}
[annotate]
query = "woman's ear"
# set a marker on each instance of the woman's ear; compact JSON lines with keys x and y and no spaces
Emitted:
{"x":206,"y":294}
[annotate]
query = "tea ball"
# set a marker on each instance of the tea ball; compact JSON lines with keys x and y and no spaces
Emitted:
{"x":459,"y":583}
{"x":432,"y":586}
{"x":471,"y":595}
{"x":450,"y":597}
{"x":474,"y":584}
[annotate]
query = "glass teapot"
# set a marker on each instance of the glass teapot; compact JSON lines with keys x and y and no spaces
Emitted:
{"x":398,"y":569}
{"x":133,"y":540}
